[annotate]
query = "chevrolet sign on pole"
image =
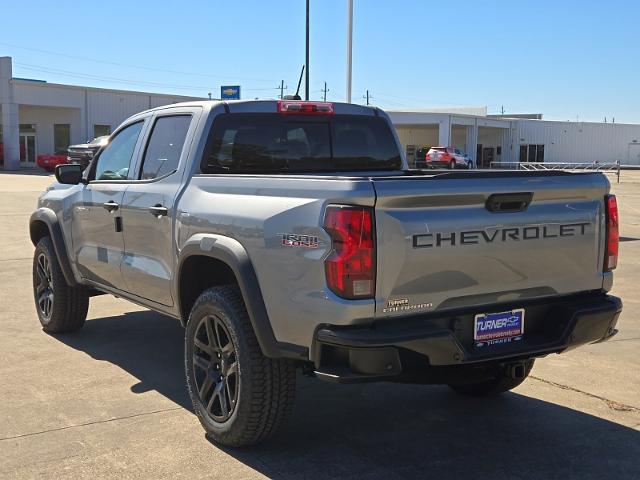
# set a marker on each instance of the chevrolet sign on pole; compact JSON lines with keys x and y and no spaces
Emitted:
{"x":230,"y":92}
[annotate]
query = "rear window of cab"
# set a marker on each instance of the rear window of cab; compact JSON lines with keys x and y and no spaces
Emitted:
{"x":275,"y":143}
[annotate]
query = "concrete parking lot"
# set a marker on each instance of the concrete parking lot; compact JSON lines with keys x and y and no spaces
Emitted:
{"x":110,"y":401}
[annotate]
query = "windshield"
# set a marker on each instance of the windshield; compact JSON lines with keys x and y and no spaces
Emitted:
{"x":275,"y":143}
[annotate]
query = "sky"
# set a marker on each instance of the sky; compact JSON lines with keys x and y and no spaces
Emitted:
{"x":570,"y":60}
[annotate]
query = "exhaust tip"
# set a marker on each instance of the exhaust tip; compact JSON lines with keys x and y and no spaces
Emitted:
{"x":517,"y":371}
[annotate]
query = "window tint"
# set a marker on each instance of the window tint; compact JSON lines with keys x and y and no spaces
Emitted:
{"x":165,"y":146}
{"x":264,"y":143}
{"x":530,"y":153}
{"x":61,"y":138}
{"x":364,"y":142}
{"x":523,"y":153}
{"x":101,"y":130}
{"x":115,"y":159}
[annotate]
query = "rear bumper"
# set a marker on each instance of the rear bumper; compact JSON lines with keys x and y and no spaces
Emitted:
{"x":381,"y":350}
{"x":432,"y":163}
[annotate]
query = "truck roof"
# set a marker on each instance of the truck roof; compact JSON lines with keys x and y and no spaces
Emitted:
{"x":268,"y":106}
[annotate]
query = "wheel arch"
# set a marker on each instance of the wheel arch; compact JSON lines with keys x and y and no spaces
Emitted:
{"x":44,"y":222}
{"x":219,"y":260}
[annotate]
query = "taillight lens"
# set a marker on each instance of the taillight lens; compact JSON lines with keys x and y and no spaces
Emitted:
{"x":350,"y":267}
{"x":613,"y":233}
{"x":305,"y":108}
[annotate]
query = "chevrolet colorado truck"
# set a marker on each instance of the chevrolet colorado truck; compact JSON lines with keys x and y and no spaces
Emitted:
{"x":290,"y":235}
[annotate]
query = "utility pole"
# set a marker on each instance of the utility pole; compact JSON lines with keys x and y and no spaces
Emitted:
{"x":324,"y":91}
{"x":349,"y":48}
{"x":502,"y":110}
{"x":306,"y":79}
{"x":282,"y":87}
{"x":367,"y":96}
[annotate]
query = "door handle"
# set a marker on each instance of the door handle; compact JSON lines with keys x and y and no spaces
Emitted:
{"x":159,"y":211}
{"x":111,"y":206}
{"x":508,"y":202}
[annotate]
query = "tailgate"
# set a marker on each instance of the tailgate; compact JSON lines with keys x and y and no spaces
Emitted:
{"x":439,"y":246}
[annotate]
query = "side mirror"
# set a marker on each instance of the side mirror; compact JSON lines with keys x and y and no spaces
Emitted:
{"x":69,"y":174}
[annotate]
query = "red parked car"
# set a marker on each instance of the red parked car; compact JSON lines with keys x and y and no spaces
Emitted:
{"x":447,"y":157}
{"x":49,"y":162}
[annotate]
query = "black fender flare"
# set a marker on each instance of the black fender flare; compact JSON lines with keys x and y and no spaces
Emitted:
{"x":232,"y":253}
{"x":49,"y":218}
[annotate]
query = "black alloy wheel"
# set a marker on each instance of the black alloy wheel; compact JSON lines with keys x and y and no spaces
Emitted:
{"x":44,"y":286}
{"x":215,"y":368}
{"x":61,"y":308}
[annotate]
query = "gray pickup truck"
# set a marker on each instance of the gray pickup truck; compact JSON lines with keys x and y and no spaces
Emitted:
{"x":291,"y":235}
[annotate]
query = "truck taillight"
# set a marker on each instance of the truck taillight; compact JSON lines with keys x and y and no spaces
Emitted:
{"x":350,"y":267}
{"x":613,"y":234}
{"x":305,"y":108}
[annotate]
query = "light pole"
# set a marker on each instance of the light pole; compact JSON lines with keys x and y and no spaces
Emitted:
{"x":349,"y":48}
{"x":306,"y":77}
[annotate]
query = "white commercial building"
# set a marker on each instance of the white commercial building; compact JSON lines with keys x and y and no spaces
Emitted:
{"x":41,"y":117}
{"x":490,"y":139}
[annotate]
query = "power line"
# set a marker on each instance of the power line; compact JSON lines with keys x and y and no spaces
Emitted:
{"x":140,"y":67}
{"x":88,"y":76}
{"x":392,"y":102}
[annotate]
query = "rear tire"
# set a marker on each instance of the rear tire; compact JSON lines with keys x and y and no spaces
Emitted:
{"x":61,"y":307}
{"x":240,"y":396}
{"x":502,"y":383}
{"x":452,"y":164}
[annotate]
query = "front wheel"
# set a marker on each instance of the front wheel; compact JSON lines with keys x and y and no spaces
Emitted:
{"x":502,"y":382}
{"x":452,"y":164}
{"x":240,"y":396}
{"x":61,"y":307}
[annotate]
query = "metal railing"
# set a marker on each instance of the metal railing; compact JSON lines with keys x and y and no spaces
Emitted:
{"x":613,"y":168}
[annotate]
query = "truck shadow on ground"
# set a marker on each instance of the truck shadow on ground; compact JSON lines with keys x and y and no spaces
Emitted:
{"x":385,"y":430}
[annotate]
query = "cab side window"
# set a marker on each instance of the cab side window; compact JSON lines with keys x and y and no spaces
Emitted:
{"x":114,"y":161}
{"x":164,"y":149}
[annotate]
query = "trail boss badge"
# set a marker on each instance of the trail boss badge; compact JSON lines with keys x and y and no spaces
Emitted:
{"x":296,"y":240}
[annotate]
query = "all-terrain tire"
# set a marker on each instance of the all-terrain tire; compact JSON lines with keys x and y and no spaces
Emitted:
{"x":502,"y":383}
{"x":61,"y":307}
{"x":263,"y":388}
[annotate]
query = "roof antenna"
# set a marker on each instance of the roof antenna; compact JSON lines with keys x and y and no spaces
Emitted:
{"x":296,"y":96}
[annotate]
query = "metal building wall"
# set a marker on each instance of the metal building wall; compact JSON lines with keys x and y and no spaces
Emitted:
{"x":45,"y":104}
{"x":418,"y":135}
{"x":111,"y":108}
{"x":578,"y":142}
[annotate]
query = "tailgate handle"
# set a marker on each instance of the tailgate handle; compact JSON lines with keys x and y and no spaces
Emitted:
{"x":508,"y":202}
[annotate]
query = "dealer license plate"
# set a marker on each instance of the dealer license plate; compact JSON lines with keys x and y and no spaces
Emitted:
{"x":498,"y":328}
